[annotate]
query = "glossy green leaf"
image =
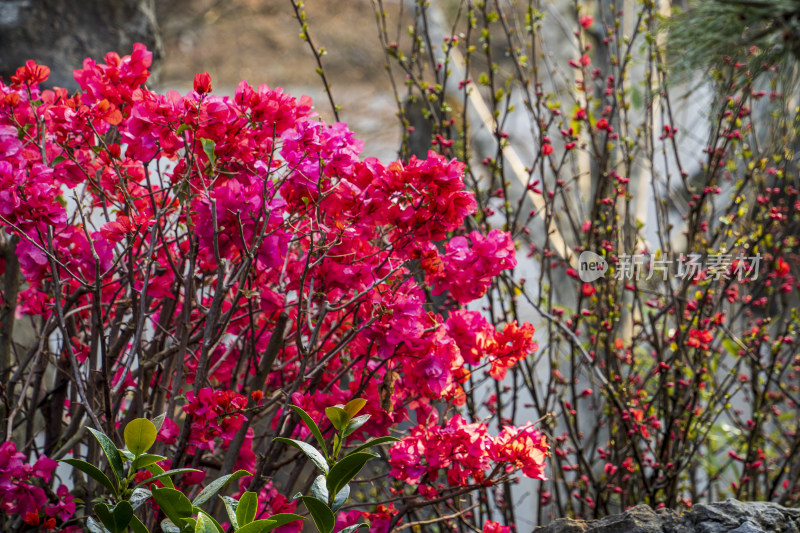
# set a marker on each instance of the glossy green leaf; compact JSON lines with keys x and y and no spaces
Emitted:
{"x":283,"y":518}
{"x":268,"y":524}
{"x":309,"y":450}
{"x":231,"y":504}
{"x":114,"y":458}
{"x":205,"y":525}
{"x":215,"y":486}
{"x":139,"y":496}
{"x":321,"y":514}
{"x":126,"y":454}
{"x":345,"y":470}
{"x":167,"y":526}
{"x":319,"y":490}
{"x":156,"y":470}
{"x":159,"y":421}
{"x":208,"y":148}
{"x":309,"y":422}
{"x":372,"y":442}
{"x":341,"y":498}
{"x":174,"y":504}
{"x":96,"y":527}
{"x":354,"y":406}
{"x":137,"y":526}
{"x":258,"y":526}
{"x":338,"y":417}
{"x":165,"y":475}
{"x":140,"y":435}
{"x":115,"y":519}
{"x":351,"y":529}
{"x":247,"y":509}
{"x":93,"y":472}
{"x":145,"y":460}
{"x":354,"y":424}
{"x":208,"y":520}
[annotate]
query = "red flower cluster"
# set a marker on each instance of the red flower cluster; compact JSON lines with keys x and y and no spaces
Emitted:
{"x":477,"y":339}
{"x":469,"y":264}
{"x":522,"y":448}
{"x":190,"y":203}
{"x":463,"y":451}
{"x":21,"y":489}
{"x":217,"y":414}
{"x":700,"y":338}
{"x":491,"y":526}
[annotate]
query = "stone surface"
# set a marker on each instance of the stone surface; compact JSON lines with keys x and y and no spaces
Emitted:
{"x":730,"y":516}
{"x":62,"y":33}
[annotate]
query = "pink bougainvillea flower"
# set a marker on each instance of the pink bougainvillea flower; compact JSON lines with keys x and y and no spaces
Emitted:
{"x":202,"y":83}
{"x":31,"y":73}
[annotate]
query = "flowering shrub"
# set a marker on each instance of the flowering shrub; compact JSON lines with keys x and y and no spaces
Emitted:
{"x":220,"y":258}
{"x":22,"y":492}
{"x":465,"y":452}
{"x":215,"y":258}
{"x":668,"y":374}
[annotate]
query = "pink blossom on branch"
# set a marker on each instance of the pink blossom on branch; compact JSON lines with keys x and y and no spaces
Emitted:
{"x":176,"y":207}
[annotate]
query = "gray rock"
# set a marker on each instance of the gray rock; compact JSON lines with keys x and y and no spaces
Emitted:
{"x":62,"y":33}
{"x":730,"y":516}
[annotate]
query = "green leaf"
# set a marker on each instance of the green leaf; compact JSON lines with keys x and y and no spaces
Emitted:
{"x":216,"y":485}
{"x":159,"y":421}
{"x":146,"y":459}
{"x":126,"y":454}
{"x":313,"y":427}
{"x":205,"y":524}
{"x":345,"y":470}
{"x":309,"y":450}
{"x":350,"y":529}
{"x":247,"y":509}
{"x":373,"y":442}
{"x":182,"y":128}
{"x":354,"y":406}
{"x":284,"y":518}
{"x":93,"y":472}
{"x":137,"y":526}
{"x":139,"y":496}
{"x":354,"y":424}
{"x":140,"y":435}
{"x":319,"y":490}
{"x":165,"y":475}
{"x":96,"y":527}
{"x":208,"y":519}
{"x":174,"y":504}
{"x":231,"y":505}
{"x":268,"y":524}
{"x":259,"y":526}
{"x":338,"y":417}
{"x":208,"y":148}
{"x":341,"y":497}
{"x":321,"y":513}
{"x":168,"y":526}
{"x":117,"y":518}
{"x":114,"y":459}
{"x":156,"y":470}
